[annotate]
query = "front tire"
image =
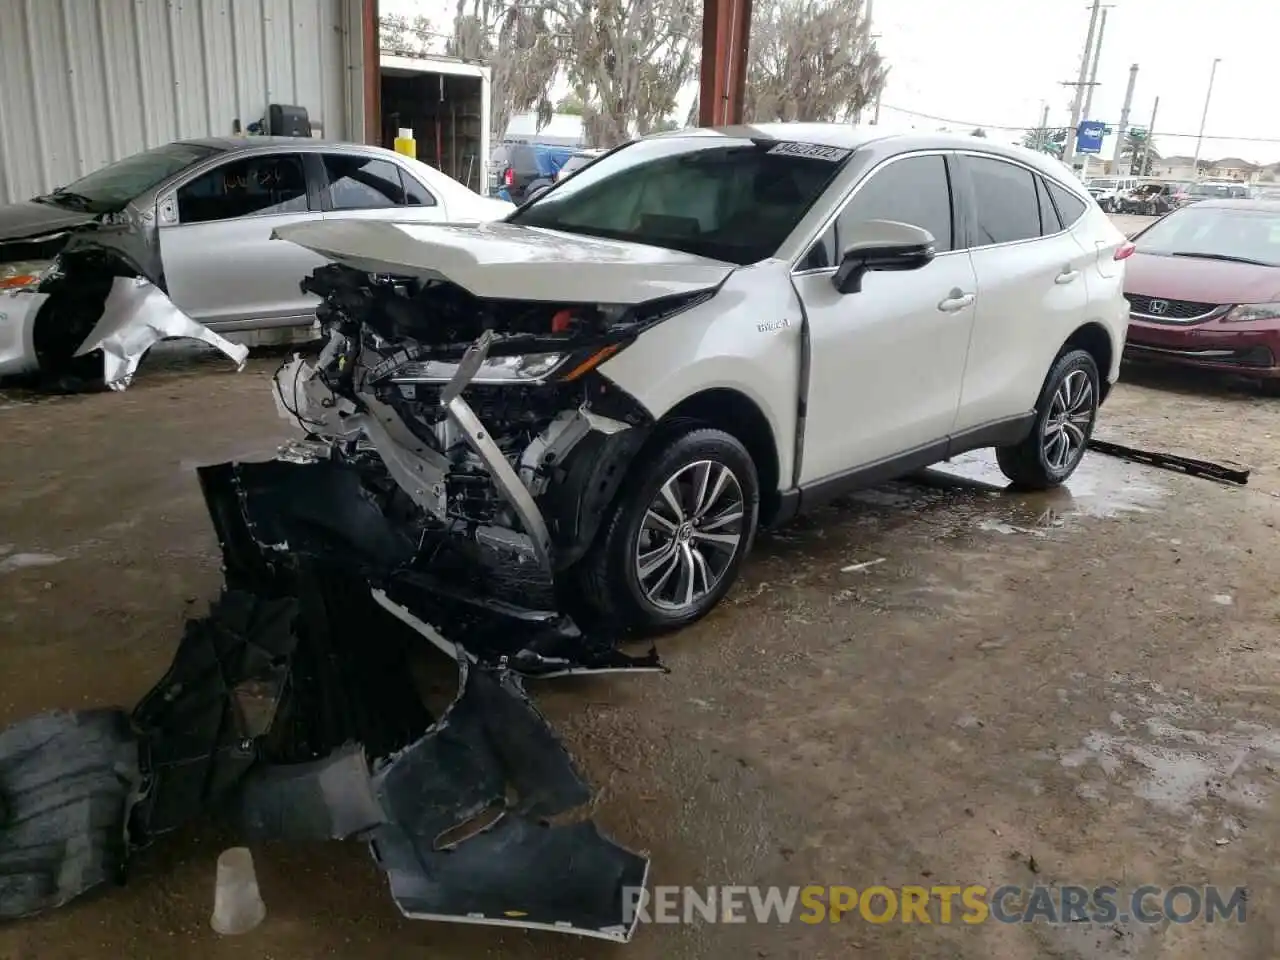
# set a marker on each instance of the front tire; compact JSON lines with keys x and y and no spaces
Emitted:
{"x":1065,"y":416}
{"x":674,"y":540}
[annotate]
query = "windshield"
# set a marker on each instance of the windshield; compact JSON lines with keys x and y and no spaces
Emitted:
{"x":1252,"y":236}
{"x":727,"y":198}
{"x":1102,"y":184}
{"x":111,"y":187}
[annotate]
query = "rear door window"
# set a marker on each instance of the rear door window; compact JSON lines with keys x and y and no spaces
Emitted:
{"x":914,"y":190}
{"x":362,"y":183}
{"x":260,"y":185}
{"x":1006,"y":206}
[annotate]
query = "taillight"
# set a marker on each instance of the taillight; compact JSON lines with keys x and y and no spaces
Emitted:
{"x":509,"y":177}
{"x":1125,"y":250}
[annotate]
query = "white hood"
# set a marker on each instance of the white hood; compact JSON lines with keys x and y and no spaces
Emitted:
{"x":508,"y":261}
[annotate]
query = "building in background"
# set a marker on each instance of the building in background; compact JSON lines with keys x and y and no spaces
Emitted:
{"x":86,"y":82}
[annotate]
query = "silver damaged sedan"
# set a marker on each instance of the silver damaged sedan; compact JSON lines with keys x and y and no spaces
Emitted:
{"x":178,"y":242}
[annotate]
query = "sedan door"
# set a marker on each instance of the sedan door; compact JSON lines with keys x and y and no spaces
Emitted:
{"x":221,"y":265}
{"x":1032,"y":275}
{"x":886,"y":363}
{"x":366,"y":187}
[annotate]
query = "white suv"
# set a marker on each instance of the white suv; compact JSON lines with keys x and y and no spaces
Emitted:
{"x":706,"y":331}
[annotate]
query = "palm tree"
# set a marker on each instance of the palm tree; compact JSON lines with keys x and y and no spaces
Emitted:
{"x":1135,"y":151}
{"x":1044,"y":139}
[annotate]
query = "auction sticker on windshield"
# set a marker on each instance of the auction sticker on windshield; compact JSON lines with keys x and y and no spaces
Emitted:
{"x":814,"y":151}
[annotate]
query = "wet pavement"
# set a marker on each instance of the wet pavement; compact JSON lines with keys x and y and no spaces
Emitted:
{"x":933,"y":682}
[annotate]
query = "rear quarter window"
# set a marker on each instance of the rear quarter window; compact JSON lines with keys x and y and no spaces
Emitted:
{"x":1070,"y":207}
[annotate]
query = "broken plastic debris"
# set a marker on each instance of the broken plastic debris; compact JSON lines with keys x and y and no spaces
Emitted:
{"x":19,"y":561}
{"x":855,"y":567}
{"x":237,"y":902}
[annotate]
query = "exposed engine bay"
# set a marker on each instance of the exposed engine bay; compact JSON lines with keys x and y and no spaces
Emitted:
{"x":501,"y":440}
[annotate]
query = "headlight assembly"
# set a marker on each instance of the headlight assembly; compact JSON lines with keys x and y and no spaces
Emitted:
{"x":528,"y":368}
{"x":1247,"y":312}
{"x":523,"y":368}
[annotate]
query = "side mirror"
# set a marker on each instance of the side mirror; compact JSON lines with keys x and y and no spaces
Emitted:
{"x":881,"y":245}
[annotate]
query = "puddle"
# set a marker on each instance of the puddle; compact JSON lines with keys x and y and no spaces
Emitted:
{"x":20,"y":561}
{"x":1102,"y":486}
{"x":1181,"y":768}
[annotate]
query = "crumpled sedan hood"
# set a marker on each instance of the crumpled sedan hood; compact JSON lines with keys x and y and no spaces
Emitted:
{"x":27,"y":220}
{"x":508,"y":261}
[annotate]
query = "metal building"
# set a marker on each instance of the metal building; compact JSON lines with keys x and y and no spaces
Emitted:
{"x":85,"y":82}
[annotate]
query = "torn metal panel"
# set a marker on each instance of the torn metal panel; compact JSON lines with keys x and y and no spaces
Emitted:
{"x":136,"y":316}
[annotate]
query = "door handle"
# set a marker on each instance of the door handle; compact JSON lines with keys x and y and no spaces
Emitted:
{"x":1066,"y":276}
{"x":956,"y":301}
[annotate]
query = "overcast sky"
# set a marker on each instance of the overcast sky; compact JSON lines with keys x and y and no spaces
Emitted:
{"x":996,"y":63}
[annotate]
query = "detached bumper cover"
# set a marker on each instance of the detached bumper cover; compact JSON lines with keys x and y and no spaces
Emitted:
{"x":290,"y":712}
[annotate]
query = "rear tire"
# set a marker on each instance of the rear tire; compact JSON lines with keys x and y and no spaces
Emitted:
{"x":1065,"y":416}
{"x":674,"y":540}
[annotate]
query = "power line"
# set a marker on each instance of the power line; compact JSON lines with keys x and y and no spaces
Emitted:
{"x":1014,"y":129}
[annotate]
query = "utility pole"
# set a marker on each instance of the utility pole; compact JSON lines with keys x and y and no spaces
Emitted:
{"x":869,"y":9}
{"x":1093,"y":70}
{"x":1204,"y":116}
{"x":1145,"y":169}
{"x":1042,"y":132}
{"x":1093,"y":83}
{"x":1069,"y":148}
{"x":1122,"y":133}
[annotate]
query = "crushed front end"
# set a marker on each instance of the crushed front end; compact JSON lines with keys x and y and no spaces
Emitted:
{"x":497,"y":440}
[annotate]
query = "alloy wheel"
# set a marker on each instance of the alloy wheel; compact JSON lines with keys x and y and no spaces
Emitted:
{"x":1066,"y":427}
{"x":690,"y":535}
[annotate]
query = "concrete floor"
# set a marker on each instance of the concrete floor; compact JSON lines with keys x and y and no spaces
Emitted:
{"x":1082,"y":682}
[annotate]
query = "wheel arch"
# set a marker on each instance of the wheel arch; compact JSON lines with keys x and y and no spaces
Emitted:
{"x":1094,"y":340}
{"x":732,"y":411}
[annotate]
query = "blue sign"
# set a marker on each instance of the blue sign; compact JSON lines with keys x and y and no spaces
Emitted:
{"x":1089,"y":136}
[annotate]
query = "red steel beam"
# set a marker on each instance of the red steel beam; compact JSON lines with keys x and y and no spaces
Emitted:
{"x":372,"y":72}
{"x":726,"y":32}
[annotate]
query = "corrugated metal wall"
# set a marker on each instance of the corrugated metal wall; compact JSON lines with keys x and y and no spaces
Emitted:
{"x":85,"y":82}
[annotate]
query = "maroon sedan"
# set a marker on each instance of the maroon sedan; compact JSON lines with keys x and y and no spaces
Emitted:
{"x":1204,"y":288}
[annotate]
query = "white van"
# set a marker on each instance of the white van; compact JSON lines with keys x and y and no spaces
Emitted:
{"x":1107,"y":190}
